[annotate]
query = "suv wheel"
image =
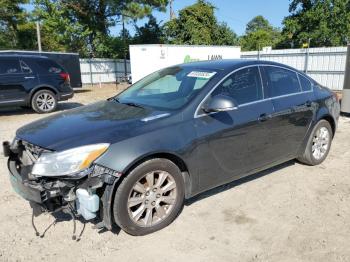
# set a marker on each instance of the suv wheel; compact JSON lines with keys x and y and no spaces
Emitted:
{"x":318,"y":145}
{"x":44,"y":101}
{"x":149,"y":198}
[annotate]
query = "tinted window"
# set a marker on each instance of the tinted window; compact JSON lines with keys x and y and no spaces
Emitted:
{"x":25,"y":68}
{"x":305,"y":83}
{"x":49,"y":66}
{"x":243,"y":86}
{"x":281,"y":81}
{"x":9,"y":66}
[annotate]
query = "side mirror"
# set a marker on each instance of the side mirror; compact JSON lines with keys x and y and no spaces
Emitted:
{"x":220,"y":103}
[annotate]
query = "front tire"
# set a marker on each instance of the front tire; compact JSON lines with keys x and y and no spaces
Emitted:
{"x":44,"y":101}
{"x":149,"y":198}
{"x":318,"y":145}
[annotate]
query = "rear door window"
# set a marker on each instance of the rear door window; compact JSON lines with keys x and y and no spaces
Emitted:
{"x":305,"y":83}
{"x":25,"y":68}
{"x":9,"y":66}
{"x":281,"y":81}
{"x":244,"y":86}
{"x":49,"y":67}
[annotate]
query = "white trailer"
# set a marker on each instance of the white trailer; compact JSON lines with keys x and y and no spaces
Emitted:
{"x":146,"y":59}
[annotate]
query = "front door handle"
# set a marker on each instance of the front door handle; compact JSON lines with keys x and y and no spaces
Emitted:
{"x":264,"y":117}
{"x":29,"y":77}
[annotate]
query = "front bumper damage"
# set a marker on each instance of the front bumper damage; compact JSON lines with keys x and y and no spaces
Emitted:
{"x":88,"y":194}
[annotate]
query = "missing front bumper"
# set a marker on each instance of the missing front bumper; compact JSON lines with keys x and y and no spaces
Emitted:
{"x":54,"y":194}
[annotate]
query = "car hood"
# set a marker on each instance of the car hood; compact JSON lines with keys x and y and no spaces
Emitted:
{"x":101,"y":122}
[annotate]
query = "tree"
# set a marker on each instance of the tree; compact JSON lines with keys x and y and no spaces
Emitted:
{"x":60,"y":29}
{"x":15,"y":29}
{"x":259,"y":33}
{"x":197,"y":25}
{"x":324,"y":22}
{"x":87,"y":23}
{"x":149,"y":33}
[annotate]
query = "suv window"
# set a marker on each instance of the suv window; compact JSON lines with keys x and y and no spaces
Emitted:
{"x":48,"y":66}
{"x":243,"y":86}
{"x":281,"y":81}
{"x":25,"y":68}
{"x":305,"y":83}
{"x":9,"y":66}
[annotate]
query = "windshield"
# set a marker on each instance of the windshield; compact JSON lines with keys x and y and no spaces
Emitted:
{"x":168,"y":89}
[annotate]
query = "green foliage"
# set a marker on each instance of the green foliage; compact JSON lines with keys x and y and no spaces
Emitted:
{"x":197,"y":25}
{"x":60,"y":30}
{"x":259,"y":33}
{"x":149,"y":33}
{"x":15,"y":29}
{"x":258,"y":23}
{"x":324,"y":22}
{"x":83,"y":26}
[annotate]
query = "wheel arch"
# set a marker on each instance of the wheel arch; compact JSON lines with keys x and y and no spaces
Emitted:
{"x":176,"y":159}
{"x":41,"y":87}
{"x":331,"y":121}
{"x":110,"y":190}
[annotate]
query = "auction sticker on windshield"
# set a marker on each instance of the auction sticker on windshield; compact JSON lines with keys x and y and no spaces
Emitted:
{"x":201,"y":74}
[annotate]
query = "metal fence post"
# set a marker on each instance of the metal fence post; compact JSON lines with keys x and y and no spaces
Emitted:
{"x":307,"y":55}
{"x":116,"y":72}
{"x":345,"y":105}
{"x":90,"y":69}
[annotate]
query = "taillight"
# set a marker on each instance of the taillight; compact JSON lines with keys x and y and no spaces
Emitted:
{"x":337,"y":96}
{"x":65,"y":77}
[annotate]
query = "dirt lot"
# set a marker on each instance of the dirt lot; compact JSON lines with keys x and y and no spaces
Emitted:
{"x":289,"y":213}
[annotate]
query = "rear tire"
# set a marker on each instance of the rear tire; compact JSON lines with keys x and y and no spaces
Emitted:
{"x":149,"y":198}
{"x":318,"y":145}
{"x":44,"y":101}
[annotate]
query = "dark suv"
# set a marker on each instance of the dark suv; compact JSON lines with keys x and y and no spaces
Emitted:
{"x":33,"y":81}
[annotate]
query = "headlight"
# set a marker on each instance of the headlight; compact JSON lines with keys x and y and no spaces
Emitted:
{"x":67,"y":162}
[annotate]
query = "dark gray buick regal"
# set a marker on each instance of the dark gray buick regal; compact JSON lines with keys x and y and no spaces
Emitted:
{"x":133,"y":159}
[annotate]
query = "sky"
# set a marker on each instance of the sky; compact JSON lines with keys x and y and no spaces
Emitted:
{"x":236,"y":13}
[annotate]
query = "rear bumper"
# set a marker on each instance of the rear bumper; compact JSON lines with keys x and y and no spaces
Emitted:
{"x":66,"y":96}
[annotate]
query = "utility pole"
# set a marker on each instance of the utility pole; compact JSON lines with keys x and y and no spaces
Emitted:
{"x":38,"y":35}
{"x":172,"y":13}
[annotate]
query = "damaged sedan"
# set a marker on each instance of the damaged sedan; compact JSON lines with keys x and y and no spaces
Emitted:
{"x":133,"y":159}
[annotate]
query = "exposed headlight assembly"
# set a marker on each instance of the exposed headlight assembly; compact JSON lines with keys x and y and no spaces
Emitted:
{"x":68,"y":162}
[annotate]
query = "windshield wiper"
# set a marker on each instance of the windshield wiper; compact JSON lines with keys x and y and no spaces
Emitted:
{"x":113,"y":99}
{"x":131,"y":104}
{"x":126,"y":103}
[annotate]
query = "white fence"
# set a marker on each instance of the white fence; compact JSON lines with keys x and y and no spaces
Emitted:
{"x":101,"y":70}
{"x":325,"y":65}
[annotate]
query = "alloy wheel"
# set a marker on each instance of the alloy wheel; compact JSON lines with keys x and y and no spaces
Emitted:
{"x":152,"y":198}
{"x":320,"y":143}
{"x":45,"y":102}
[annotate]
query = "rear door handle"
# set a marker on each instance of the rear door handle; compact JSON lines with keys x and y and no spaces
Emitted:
{"x":29,"y":77}
{"x":264,"y":117}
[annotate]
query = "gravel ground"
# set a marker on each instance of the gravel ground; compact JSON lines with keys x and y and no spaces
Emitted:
{"x":289,"y":213}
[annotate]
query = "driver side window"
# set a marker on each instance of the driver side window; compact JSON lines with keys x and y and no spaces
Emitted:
{"x":244,"y":86}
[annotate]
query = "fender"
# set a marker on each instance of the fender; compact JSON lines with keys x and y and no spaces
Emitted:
{"x":322,"y":113}
{"x":39,"y":87}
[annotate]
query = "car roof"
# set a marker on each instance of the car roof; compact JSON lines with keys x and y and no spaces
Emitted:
{"x":25,"y":56}
{"x":230,"y":64}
